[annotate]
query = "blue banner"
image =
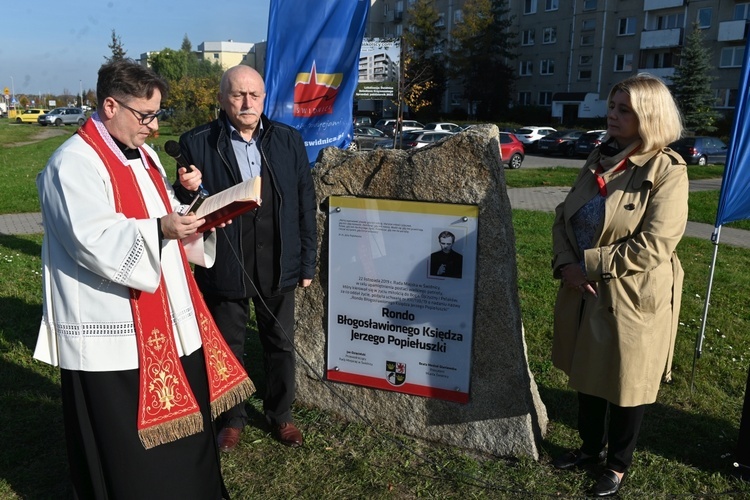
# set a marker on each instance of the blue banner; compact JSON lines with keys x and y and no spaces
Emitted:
{"x":734,"y":199}
{"x":312,"y":67}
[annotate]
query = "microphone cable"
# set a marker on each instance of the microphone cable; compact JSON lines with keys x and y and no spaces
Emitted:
{"x":448,"y":474}
{"x":463,"y":477}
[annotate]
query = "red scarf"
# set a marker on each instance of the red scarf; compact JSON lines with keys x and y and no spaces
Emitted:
{"x":167,"y":408}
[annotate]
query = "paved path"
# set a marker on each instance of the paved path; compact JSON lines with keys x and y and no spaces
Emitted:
{"x":540,"y":198}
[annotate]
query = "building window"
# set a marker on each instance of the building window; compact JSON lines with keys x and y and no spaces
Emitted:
{"x":704,"y":18}
{"x":585,"y":60}
{"x":527,"y":37}
{"x":547,"y":67}
{"x":551,"y":5}
{"x":441,"y":20}
{"x":549,"y":35}
{"x":661,"y":60}
{"x":526,"y":68}
{"x":529,"y":7}
{"x":458,"y":16}
{"x":624,"y":62}
{"x":589,"y":4}
{"x":731,"y":57}
{"x":545,"y":98}
{"x":726,"y":98}
{"x":588,"y":25}
{"x":455,"y":98}
{"x":741,"y":11}
{"x":670,"y":21}
{"x":584,"y":74}
{"x":216,"y":56}
{"x":587,"y":40}
{"x":626,"y":26}
{"x":524,"y":98}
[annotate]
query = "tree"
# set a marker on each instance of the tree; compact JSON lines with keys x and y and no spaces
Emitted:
{"x":424,"y":65}
{"x":691,"y":84}
{"x":186,"y":45}
{"x":193,"y":84}
{"x":118,"y":51}
{"x":482,"y":44}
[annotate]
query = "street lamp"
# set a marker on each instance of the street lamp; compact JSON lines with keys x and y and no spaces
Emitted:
{"x":12,"y":88}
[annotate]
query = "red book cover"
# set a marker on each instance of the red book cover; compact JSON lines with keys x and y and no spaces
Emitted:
{"x":230,"y":203}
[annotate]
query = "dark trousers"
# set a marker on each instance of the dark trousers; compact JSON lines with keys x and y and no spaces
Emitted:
{"x":620,"y":433}
{"x":105,"y":455}
{"x":277,"y":340}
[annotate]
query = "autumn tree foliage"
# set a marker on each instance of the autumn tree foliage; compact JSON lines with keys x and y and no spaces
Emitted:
{"x":193,"y":84}
{"x":483,"y":48}
{"x":422,"y":57}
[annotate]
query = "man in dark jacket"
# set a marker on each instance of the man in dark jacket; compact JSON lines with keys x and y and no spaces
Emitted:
{"x":264,"y":254}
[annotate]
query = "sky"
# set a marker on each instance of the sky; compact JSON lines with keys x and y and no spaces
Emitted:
{"x":47,"y":47}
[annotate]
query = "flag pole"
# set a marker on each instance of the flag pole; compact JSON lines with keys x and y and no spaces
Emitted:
{"x":699,"y":341}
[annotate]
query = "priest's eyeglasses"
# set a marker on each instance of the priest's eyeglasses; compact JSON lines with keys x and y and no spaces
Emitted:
{"x":143,"y":118}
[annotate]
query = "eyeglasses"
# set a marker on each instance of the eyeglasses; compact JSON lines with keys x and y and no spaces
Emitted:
{"x":143,"y":118}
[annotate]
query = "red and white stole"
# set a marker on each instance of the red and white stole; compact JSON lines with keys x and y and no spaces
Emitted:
{"x":167,"y":408}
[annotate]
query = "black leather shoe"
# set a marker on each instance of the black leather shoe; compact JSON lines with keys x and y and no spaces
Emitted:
{"x":575,"y":458}
{"x":607,"y":485}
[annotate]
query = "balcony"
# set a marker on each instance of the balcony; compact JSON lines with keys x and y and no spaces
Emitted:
{"x":731,"y":31}
{"x":659,"y":39}
{"x":661,"y":4}
{"x":664,"y":74}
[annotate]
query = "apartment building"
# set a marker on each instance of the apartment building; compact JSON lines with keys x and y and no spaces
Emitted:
{"x":230,"y":53}
{"x":571,"y":52}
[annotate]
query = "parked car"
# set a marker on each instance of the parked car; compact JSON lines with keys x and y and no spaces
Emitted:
{"x":589,"y":141}
{"x":701,"y":150}
{"x":388,"y":125}
{"x":365,"y":138}
{"x":530,"y":135}
{"x":362,"y":121}
{"x":449,"y":127}
{"x":421,"y":138}
{"x":63,"y":116}
{"x":562,"y":142}
{"x":30,"y":115}
{"x":511,"y":149}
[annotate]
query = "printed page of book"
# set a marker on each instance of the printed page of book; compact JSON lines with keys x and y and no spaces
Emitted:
{"x":248,"y":190}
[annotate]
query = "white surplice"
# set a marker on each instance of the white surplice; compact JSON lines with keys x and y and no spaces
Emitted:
{"x":92,"y":255}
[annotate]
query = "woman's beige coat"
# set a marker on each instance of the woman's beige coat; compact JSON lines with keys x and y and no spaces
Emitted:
{"x":619,"y":345}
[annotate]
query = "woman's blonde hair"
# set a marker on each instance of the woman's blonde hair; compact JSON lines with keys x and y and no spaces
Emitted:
{"x":659,"y":119}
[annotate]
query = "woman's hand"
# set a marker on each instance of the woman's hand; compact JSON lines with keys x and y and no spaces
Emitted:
{"x":573,"y":277}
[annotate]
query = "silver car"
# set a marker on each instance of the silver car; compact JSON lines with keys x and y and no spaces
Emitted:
{"x":63,"y":116}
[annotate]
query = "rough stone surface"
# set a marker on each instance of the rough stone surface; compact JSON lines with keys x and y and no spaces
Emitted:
{"x":505,"y":415}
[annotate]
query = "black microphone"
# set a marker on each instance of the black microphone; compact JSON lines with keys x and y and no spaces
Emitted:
{"x":173,"y":150}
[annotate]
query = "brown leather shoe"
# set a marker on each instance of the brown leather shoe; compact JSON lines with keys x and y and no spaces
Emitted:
{"x":228,"y":438}
{"x":288,"y":434}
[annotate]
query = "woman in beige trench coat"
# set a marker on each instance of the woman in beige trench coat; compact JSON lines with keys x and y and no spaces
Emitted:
{"x":617,"y":308}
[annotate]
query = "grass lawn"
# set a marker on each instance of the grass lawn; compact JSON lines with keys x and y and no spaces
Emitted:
{"x":685,"y":449}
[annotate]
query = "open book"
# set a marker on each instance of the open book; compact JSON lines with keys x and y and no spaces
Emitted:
{"x":230,"y":203}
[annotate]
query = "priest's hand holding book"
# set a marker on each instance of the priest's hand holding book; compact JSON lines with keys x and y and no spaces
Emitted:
{"x":218,"y":209}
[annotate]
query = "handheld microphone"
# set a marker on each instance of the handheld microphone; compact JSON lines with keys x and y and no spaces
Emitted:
{"x":173,"y":150}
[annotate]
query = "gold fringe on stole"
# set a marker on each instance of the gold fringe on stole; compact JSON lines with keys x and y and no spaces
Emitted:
{"x":233,"y":397}
{"x":171,"y":431}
